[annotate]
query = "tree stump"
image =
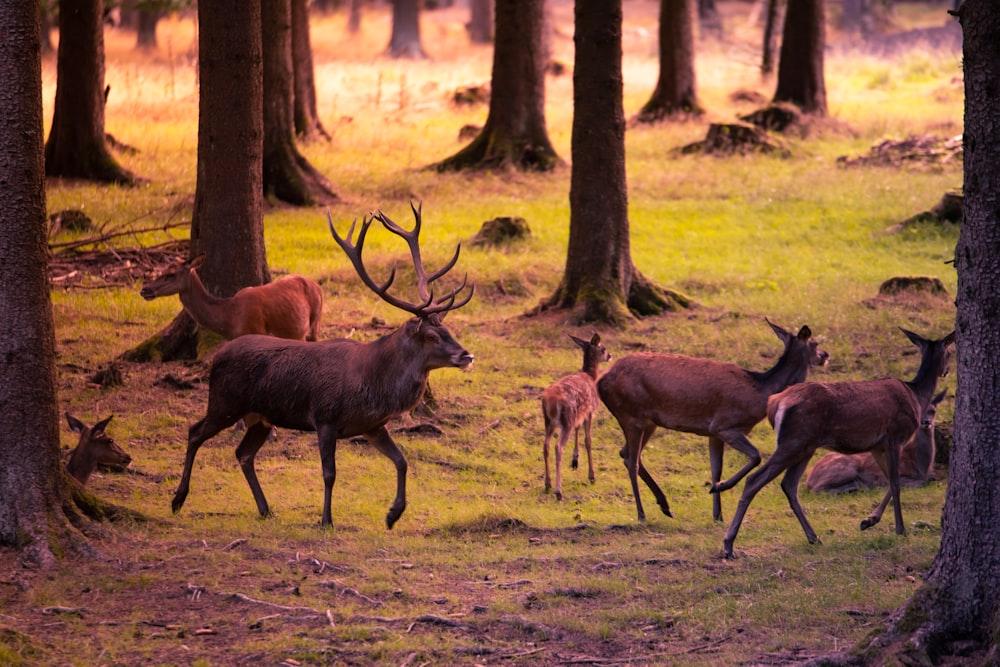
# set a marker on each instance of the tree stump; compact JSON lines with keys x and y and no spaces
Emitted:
{"x":734,"y":138}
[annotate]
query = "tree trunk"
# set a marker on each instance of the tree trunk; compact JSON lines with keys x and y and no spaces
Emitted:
{"x":959,"y":601}
{"x":800,"y":70}
{"x":481,"y":21}
{"x":288,"y":175}
{"x":709,"y":18}
{"x":600,"y":280}
{"x":515,"y":133}
{"x":307,"y":124}
{"x":405,"y":39}
{"x":354,"y":17}
{"x":146,"y":28}
{"x":770,"y":30}
{"x":228,"y":221}
{"x":675,"y":91}
{"x":76,"y":147}
{"x":31,"y":493}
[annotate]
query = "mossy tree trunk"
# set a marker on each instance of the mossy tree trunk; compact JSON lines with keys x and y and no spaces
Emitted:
{"x":515,"y":134}
{"x":600,"y":281}
{"x":288,"y":175}
{"x":228,"y":220}
{"x":801,"y":78}
{"x":77,"y":147}
{"x":676,"y":89}
{"x":959,"y":601}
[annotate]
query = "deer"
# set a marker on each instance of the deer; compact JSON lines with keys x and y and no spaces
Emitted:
{"x":568,"y":404}
{"x":94,"y":448}
{"x":289,"y":307}
{"x":338,"y":388}
{"x":721,"y":400}
{"x":842,"y":473}
{"x":877,"y":416}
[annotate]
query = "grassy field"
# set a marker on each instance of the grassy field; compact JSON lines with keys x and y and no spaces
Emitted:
{"x":484,"y":567}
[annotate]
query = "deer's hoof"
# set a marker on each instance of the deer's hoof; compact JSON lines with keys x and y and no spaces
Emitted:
{"x":393,"y":516}
{"x":867,"y":523}
{"x":574,"y":464}
{"x":558,"y":495}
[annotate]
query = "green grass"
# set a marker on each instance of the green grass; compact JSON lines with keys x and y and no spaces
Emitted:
{"x":797,"y":240}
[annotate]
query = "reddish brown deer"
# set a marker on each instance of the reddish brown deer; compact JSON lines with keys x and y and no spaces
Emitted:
{"x":720,"y":400}
{"x":842,"y":473}
{"x":876,"y":416}
{"x":569,"y":403}
{"x":289,"y":307}
{"x":338,"y":388}
{"x":94,"y":448}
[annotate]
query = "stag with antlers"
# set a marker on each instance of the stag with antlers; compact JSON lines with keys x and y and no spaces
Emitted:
{"x":338,"y":388}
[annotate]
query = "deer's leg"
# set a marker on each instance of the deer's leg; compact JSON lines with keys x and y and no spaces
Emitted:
{"x":549,"y":428}
{"x":247,"y":450}
{"x":327,"y":439}
{"x":740,"y":443}
{"x":200,"y":432}
{"x":383,"y":443}
{"x":790,"y":485}
{"x":575,"y":462}
{"x":716,"y":451}
{"x":888,"y":461}
{"x":756,"y":481}
{"x":587,"y":443}
{"x":661,"y":499}
{"x":630,"y":453}
{"x":564,"y":430}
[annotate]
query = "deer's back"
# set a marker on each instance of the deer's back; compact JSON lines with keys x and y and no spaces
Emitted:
{"x":284,"y":308}
{"x":570,"y":400}
{"x":683,"y":393}
{"x":847,"y":417}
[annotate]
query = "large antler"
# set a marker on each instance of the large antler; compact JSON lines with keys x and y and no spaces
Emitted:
{"x":429,"y":306}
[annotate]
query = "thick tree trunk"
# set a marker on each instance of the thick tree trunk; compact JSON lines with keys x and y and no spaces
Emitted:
{"x":959,"y":601}
{"x":515,"y":134}
{"x":800,"y":71}
{"x":307,"y":123}
{"x":146,"y":28}
{"x":600,"y":281}
{"x":288,"y":175}
{"x":31,"y":490}
{"x":228,"y":220}
{"x":76,"y":147}
{"x":405,"y":39}
{"x":676,"y":92}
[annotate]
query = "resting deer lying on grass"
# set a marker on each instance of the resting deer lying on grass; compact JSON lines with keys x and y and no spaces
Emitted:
{"x":568,"y":404}
{"x":877,"y":416}
{"x":94,"y":448}
{"x":841,"y":473}
{"x":289,"y":307}
{"x":338,"y":388}
{"x":701,"y":396}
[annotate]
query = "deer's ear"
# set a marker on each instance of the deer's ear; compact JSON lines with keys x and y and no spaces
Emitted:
{"x":579,"y":341}
{"x":197,"y":261}
{"x":805,"y":333}
{"x":412,"y":326}
{"x":101,"y":425}
{"x":780,"y":332}
{"x":595,"y":339}
{"x":75,"y":424}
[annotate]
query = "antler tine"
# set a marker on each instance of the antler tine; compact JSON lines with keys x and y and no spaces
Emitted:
{"x":448,"y":301}
{"x":354,"y":253}
{"x":412,"y":239}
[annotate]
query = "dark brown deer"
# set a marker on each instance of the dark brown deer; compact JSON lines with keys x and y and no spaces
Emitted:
{"x":338,"y":388}
{"x":842,"y":473}
{"x":94,"y":448}
{"x":877,"y":416}
{"x":720,"y":400}
{"x":289,"y":307}
{"x":569,"y":403}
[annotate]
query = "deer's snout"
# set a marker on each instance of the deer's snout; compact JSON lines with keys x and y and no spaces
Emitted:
{"x":463,"y":359}
{"x":147,"y":294}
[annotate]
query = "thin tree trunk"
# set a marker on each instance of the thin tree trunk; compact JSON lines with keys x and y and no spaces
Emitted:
{"x":405,"y":39}
{"x":675,"y":91}
{"x":800,"y":72}
{"x":307,"y":123}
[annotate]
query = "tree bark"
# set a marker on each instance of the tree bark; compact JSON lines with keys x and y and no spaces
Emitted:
{"x":31,"y":490}
{"x":515,"y":134}
{"x":76,"y":147}
{"x":307,"y":124}
{"x":288,"y":175}
{"x":800,"y":68}
{"x":676,"y":91}
{"x":959,"y":601}
{"x":770,"y":30}
{"x":146,"y":21}
{"x":600,"y":280}
{"x":405,"y":39}
{"x":228,"y":221}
